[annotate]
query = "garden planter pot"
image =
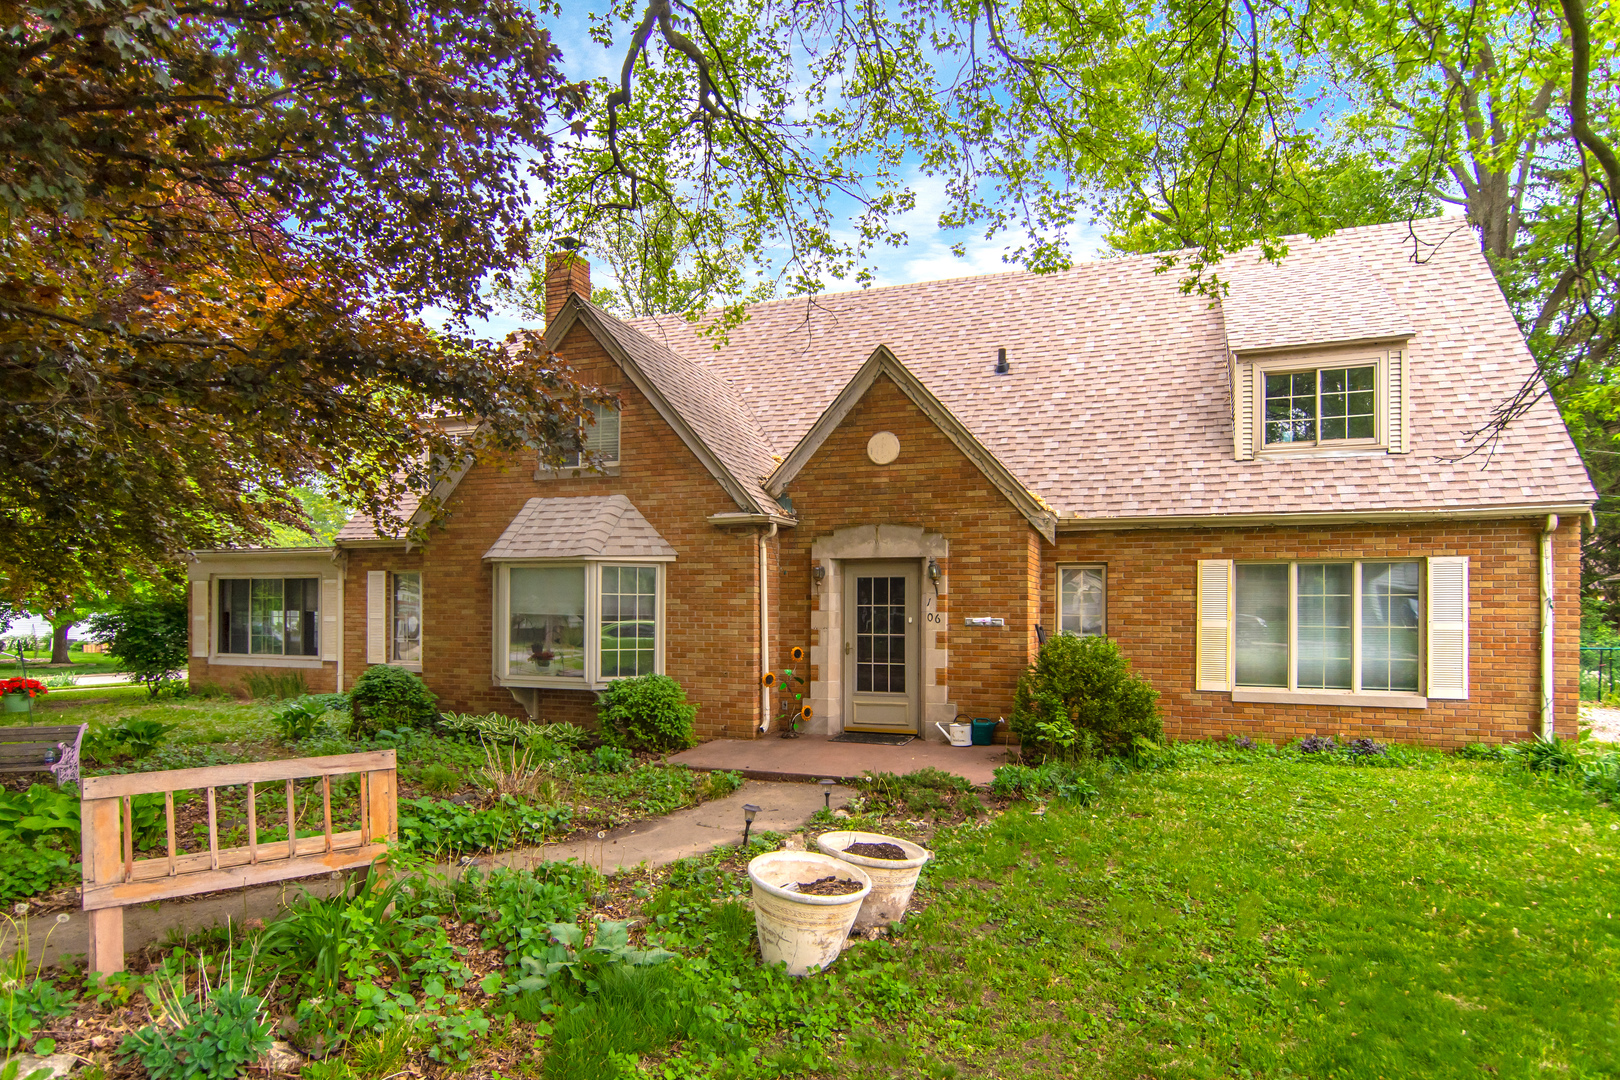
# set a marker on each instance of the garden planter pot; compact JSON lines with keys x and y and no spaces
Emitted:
{"x":892,"y":879}
{"x":14,"y":702}
{"x":799,"y":930}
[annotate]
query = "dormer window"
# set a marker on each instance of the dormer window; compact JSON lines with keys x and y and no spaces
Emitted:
{"x":1324,"y":405}
{"x":1309,"y":401}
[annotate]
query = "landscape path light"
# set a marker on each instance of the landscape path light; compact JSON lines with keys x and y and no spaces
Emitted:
{"x":749,"y":810}
{"x":826,"y":792}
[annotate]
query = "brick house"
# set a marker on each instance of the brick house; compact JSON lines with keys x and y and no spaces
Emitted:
{"x":1269,"y":502}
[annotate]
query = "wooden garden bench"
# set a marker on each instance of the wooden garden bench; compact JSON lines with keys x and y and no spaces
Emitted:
{"x":53,"y":749}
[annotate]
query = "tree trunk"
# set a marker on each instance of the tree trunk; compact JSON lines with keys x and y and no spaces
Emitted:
{"x":59,"y":644}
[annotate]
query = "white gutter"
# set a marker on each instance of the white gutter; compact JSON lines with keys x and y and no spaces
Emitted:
{"x":1548,"y":673}
{"x":765,"y":626}
{"x":1350,"y":517}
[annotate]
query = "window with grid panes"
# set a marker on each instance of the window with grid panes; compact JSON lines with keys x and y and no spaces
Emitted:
{"x":1322,"y":405}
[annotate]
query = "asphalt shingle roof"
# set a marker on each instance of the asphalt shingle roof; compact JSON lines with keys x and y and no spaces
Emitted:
{"x":1118,"y":403}
{"x":589,"y":527}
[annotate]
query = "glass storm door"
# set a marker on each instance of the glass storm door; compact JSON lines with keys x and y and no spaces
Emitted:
{"x":881,"y":646}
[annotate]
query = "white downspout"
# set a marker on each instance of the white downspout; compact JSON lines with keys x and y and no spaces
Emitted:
{"x":765,"y":626}
{"x":1547,"y":638}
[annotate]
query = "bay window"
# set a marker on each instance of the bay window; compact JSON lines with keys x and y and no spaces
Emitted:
{"x":578,"y":624}
{"x":269,"y":616}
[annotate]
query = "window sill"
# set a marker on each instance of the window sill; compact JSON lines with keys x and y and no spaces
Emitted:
{"x":577,"y":472}
{"x":268,"y":661}
{"x":548,"y":684}
{"x":1331,"y":697}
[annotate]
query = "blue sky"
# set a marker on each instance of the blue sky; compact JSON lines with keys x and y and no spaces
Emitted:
{"x":926,"y":256}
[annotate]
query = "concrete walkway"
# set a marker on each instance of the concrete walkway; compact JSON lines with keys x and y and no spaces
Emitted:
{"x":813,"y":757}
{"x":784,"y":807}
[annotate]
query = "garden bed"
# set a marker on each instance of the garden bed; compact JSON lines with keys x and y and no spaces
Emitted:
{"x":1204,"y":910}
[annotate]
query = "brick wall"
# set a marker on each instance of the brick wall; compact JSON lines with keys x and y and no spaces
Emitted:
{"x":1151,"y":593}
{"x":933,"y":486}
{"x":711,"y":602}
{"x":321,"y":680}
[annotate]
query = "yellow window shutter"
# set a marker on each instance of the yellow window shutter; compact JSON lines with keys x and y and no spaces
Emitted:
{"x":329,"y":619}
{"x":200,"y":592}
{"x":376,"y":616}
{"x":1448,"y":627}
{"x":1397,"y":406}
{"x":1243,"y":411}
{"x":1214,"y":625}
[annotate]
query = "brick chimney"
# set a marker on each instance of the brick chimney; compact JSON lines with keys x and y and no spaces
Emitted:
{"x":567,"y":272}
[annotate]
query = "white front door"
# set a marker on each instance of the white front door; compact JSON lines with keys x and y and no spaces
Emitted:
{"x":882,"y":646}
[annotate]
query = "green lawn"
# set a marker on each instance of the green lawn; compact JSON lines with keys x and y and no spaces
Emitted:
{"x":83,"y":664}
{"x":1273,"y":919}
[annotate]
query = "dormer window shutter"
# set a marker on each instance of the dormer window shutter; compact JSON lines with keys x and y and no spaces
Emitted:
{"x":1243,"y":413}
{"x":1397,"y":409}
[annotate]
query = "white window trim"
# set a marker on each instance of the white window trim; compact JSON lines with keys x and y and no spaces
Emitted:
{"x":1293,"y":693}
{"x":603,"y":467}
{"x":388,"y":617}
{"x":1057,"y":625}
{"x":593,"y":618}
{"x":281,"y":660}
{"x":1296,"y":362}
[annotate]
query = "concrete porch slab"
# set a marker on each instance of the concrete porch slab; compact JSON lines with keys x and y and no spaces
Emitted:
{"x":814,"y":757}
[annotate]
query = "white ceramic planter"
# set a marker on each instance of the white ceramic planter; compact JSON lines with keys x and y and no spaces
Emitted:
{"x":893,"y":880}
{"x":798,"y":930}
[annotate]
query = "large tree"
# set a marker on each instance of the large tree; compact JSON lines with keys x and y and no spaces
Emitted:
{"x":220,"y":224}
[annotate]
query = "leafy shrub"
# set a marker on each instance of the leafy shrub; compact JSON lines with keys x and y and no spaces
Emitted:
{"x":136,"y":736}
{"x":1365,"y":748}
{"x":43,"y":812}
{"x":390,"y":697}
{"x":647,"y":712}
{"x":1316,"y":744}
{"x":1081,"y":698}
{"x":29,"y":869}
{"x":1242,"y":742}
{"x":720,"y":783}
{"x":275,"y":685}
{"x":298,"y":719}
{"x":605,"y":759}
{"x":1478,"y":751}
{"x":148,"y":638}
{"x":439,"y":827}
{"x":487,"y":727}
{"x":213,"y":1035}
{"x":1048,"y":780}
{"x":562,"y":734}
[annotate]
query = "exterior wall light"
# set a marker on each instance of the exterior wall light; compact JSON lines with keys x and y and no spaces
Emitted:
{"x":819,"y":573}
{"x":933,"y":571}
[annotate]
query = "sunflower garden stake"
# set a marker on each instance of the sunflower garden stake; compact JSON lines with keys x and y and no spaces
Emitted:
{"x":795,"y":710}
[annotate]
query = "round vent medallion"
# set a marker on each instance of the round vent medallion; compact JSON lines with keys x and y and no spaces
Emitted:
{"x":883,"y":448}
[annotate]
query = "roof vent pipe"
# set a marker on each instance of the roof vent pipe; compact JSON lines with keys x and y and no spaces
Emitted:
{"x":1002,"y":367}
